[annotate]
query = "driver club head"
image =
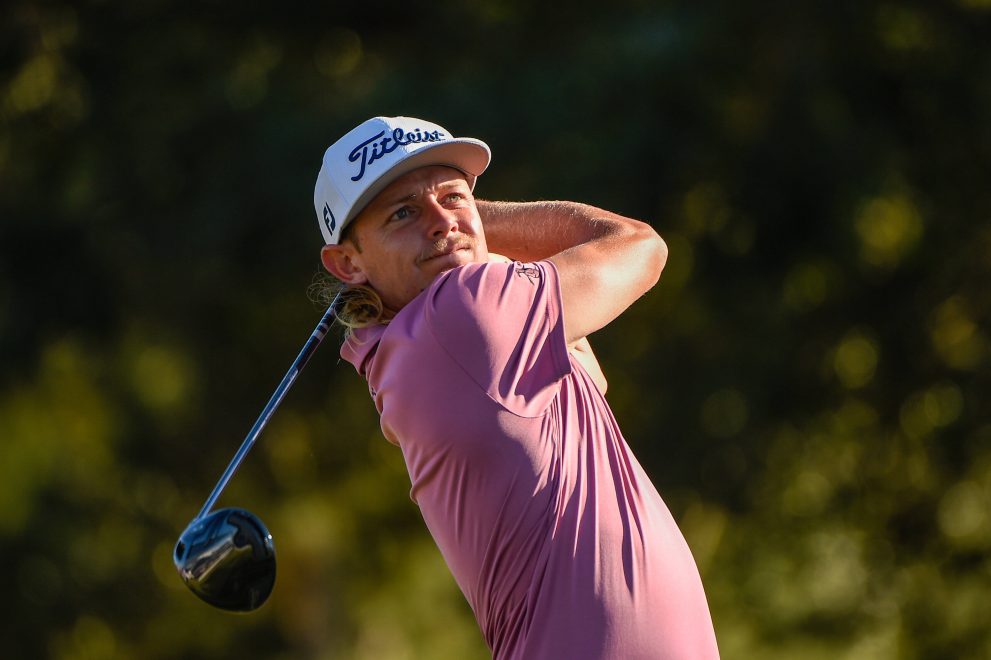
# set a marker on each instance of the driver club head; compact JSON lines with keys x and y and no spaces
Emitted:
{"x":227,"y":558}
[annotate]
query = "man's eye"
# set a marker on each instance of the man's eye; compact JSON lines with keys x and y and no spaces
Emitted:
{"x":453,"y":198}
{"x":402,"y":213}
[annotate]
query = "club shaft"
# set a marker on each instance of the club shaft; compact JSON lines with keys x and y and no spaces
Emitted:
{"x":280,"y":392}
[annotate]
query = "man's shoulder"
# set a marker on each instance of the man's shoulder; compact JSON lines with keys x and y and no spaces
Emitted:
{"x":361,"y":344}
{"x":488,"y":299}
{"x":491,"y":276}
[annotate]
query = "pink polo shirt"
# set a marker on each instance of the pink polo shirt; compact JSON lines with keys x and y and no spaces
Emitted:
{"x":551,"y":528}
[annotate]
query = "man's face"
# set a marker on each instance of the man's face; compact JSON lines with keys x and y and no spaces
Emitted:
{"x":423,"y":224}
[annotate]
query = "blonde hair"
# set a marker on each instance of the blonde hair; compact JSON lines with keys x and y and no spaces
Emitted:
{"x":358,"y":307}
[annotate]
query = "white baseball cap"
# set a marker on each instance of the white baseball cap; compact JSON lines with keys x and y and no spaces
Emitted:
{"x":361,"y":164}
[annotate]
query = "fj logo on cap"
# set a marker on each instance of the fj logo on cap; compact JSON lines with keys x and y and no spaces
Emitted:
{"x":328,"y":219}
{"x":374,"y":148}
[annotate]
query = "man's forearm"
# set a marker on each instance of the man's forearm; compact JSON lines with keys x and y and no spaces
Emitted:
{"x":604,"y":261}
{"x":531,"y":231}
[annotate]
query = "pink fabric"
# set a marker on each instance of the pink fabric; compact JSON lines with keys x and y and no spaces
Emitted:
{"x":551,"y":528}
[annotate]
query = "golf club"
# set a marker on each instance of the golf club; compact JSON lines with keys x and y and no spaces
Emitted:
{"x":227,"y":557}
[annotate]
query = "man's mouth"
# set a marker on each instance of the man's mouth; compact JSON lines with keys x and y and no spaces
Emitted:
{"x":436,"y":254}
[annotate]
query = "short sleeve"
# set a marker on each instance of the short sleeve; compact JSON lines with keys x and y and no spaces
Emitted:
{"x":501,"y":323}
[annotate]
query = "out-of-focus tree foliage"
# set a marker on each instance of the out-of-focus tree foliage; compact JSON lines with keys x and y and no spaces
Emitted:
{"x":808,"y":385}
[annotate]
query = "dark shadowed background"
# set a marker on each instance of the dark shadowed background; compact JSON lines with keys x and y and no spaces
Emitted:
{"x":808,"y":385}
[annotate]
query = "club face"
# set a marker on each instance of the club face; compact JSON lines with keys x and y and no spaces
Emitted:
{"x":227,"y":558}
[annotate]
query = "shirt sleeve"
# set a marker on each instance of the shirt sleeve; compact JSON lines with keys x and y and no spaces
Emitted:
{"x":501,"y":323}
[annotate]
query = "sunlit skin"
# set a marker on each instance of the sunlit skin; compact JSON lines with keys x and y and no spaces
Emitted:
{"x":423,"y":224}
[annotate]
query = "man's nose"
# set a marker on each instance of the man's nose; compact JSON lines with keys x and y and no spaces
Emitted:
{"x":440,"y":221}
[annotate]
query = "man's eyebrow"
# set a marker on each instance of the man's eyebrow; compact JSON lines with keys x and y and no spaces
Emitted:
{"x":412,"y":196}
{"x":389,"y":202}
{"x":453,"y":183}
{"x":405,"y":198}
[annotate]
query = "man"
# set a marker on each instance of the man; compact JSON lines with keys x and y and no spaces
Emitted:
{"x":480,"y":371}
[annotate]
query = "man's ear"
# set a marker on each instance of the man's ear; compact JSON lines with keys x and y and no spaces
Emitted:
{"x":339,"y":262}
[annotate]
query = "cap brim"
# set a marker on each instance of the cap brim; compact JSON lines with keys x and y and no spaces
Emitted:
{"x":464,"y":154}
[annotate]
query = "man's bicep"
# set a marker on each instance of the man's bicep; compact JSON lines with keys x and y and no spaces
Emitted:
{"x":600,"y":279}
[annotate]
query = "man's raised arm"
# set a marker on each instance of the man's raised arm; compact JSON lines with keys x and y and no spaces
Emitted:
{"x":604,"y":261}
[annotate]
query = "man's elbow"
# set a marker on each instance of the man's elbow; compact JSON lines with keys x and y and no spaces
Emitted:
{"x":655,"y":253}
{"x":660,"y":255}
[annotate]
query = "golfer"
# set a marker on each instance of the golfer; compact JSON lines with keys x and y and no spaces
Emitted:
{"x":480,"y":370}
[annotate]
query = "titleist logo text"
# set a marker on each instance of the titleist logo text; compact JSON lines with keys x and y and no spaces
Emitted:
{"x":374,"y":148}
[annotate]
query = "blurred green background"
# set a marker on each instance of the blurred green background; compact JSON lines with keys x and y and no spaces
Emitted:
{"x":808,"y":385}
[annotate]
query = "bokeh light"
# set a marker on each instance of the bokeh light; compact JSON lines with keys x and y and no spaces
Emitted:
{"x":807,"y":385}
